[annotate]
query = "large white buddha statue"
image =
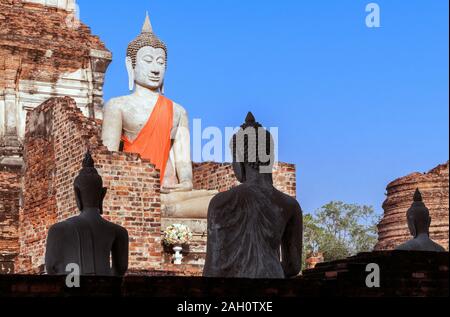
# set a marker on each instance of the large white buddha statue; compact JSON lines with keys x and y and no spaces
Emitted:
{"x":154,"y":126}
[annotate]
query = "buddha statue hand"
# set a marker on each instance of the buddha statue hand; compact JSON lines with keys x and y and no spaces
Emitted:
{"x":183,"y":186}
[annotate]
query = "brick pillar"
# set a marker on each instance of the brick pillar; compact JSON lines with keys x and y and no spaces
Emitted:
{"x":10,"y":67}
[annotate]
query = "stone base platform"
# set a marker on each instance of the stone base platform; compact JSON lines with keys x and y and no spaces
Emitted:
{"x":7,"y":263}
{"x":401,"y":274}
{"x":193,"y":255}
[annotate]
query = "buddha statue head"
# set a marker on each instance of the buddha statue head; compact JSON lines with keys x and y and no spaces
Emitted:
{"x":146,"y":60}
{"x":88,"y":186}
{"x":252,"y":148}
{"x":418,"y":216}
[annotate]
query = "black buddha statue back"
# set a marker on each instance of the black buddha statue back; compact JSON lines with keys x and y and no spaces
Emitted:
{"x":249,"y":224}
{"x":96,"y":245}
{"x":419,"y":221}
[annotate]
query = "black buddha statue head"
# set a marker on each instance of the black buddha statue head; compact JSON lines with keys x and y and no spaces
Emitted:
{"x":88,"y":185}
{"x":418,"y":216}
{"x":252,"y":148}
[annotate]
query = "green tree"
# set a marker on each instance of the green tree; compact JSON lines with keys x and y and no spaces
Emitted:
{"x":339,"y":230}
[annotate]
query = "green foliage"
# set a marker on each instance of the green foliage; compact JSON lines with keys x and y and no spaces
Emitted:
{"x":340,"y":230}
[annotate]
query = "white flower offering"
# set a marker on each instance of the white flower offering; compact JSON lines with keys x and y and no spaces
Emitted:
{"x":177,"y":234}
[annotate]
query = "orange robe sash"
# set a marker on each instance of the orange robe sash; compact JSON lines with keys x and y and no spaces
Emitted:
{"x":153,"y":141}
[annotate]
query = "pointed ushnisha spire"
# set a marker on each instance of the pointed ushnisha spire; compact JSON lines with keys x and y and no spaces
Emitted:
{"x":250,"y":118}
{"x":246,"y":147}
{"x":88,"y":165}
{"x":250,"y":121}
{"x":418,"y":203}
{"x":145,"y":38}
{"x":147,"y":27}
{"x":88,"y":160}
{"x":417,"y":196}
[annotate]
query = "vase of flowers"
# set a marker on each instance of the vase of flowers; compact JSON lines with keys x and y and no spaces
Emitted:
{"x":176,"y":236}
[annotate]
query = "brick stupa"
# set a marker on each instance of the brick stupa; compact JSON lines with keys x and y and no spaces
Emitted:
{"x":45,"y":52}
{"x":393,"y":229}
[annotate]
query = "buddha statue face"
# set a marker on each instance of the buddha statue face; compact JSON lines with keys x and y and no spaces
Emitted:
{"x":146,"y":60}
{"x":150,"y":67}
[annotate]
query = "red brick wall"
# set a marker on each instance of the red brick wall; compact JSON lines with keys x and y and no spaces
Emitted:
{"x":56,"y":140}
{"x":39,"y":195}
{"x":9,"y":219}
{"x":284,"y":178}
{"x":133,"y":201}
{"x":220,"y":176}
{"x":213,"y":176}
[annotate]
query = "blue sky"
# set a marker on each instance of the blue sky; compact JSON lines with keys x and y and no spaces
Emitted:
{"x":356,"y":107}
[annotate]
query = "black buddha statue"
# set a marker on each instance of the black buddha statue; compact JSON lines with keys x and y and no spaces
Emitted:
{"x":419,"y":220}
{"x":250,"y":224}
{"x":96,"y":245}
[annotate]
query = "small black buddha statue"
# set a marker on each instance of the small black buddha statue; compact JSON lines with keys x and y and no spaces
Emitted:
{"x":96,"y":245}
{"x":419,"y":220}
{"x":250,"y":224}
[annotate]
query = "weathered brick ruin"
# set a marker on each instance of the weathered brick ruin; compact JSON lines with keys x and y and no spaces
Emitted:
{"x":44,"y":53}
{"x":56,"y":139}
{"x":393,"y":229}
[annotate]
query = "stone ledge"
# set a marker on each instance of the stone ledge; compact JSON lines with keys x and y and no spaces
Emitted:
{"x":402,"y":274}
{"x":7,"y":263}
